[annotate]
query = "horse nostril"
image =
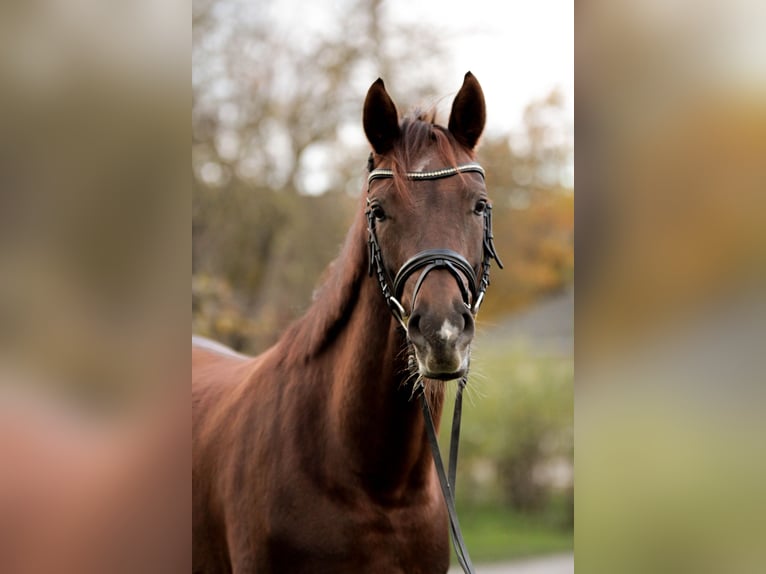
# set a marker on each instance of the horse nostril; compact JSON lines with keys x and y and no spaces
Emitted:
{"x":468,"y":324}
{"x":413,"y":329}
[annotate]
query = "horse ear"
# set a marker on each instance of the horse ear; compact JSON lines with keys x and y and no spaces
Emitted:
{"x":380,"y":118}
{"x":468,"y":115}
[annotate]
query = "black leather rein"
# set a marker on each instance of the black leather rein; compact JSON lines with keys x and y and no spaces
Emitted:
{"x":459,"y":267}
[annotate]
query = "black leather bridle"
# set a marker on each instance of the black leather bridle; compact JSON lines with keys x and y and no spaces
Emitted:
{"x":459,"y":267}
{"x":431,"y":259}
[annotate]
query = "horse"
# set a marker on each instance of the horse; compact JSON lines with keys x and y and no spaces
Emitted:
{"x":313,"y":456}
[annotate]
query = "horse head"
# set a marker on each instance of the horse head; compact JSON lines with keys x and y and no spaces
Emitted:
{"x":429,"y":224}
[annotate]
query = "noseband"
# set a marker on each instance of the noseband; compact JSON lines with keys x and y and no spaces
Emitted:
{"x":431,"y":259}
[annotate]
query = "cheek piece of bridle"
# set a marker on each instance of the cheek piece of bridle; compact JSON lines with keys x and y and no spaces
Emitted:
{"x":459,"y":267}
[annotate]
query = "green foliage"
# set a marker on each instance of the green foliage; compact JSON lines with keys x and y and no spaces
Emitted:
{"x":517,"y":445}
{"x":517,"y":422}
{"x":494,"y":533}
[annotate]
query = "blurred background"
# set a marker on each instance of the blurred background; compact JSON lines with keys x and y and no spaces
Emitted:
{"x":671,"y":312}
{"x":92,"y":196}
{"x":278,"y":163}
{"x":94,"y":264}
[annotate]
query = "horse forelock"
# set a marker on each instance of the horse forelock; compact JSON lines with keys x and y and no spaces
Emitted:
{"x":422,"y":140}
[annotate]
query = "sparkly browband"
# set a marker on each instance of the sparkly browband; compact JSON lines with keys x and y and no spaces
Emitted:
{"x":423,"y":175}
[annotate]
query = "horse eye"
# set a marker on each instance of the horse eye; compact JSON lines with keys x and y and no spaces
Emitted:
{"x":378,"y":213}
{"x":481,"y":206}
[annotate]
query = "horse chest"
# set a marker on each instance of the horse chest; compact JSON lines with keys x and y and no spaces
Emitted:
{"x":328,"y":537}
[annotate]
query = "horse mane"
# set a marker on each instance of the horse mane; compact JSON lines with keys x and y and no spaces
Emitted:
{"x":339,"y":287}
{"x":419,"y":135}
{"x":333,"y":301}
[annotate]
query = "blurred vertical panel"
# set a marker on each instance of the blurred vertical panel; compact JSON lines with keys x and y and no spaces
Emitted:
{"x":671,"y":313}
{"x":94,"y":210}
{"x":94,"y":257}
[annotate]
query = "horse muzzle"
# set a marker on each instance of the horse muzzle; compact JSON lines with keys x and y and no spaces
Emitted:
{"x":441,"y":324}
{"x":442,"y":341}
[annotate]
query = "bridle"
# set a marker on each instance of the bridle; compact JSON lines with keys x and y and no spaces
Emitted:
{"x":459,"y":267}
{"x":431,"y":259}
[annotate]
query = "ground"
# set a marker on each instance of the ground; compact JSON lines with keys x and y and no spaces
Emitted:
{"x":558,"y":564}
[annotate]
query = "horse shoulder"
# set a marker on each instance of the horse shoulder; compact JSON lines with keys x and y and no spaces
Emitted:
{"x":233,"y":422}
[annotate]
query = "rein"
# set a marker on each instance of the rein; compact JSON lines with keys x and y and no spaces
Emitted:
{"x":459,"y":267}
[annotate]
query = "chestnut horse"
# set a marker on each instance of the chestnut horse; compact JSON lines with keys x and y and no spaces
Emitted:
{"x":313,"y":457}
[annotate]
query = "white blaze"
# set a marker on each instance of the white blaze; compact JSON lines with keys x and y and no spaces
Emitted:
{"x":448,"y":332}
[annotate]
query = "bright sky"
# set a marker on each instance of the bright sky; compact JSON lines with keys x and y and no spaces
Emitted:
{"x":518,"y":49}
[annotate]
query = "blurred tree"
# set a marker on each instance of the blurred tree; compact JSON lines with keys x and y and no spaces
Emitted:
{"x":529,"y":179}
{"x":278,"y":150}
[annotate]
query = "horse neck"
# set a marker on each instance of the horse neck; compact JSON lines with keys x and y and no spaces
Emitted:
{"x":359,"y":359}
{"x":380,"y":421}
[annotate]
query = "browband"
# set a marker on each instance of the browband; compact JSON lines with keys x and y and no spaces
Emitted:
{"x":382,"y":173}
